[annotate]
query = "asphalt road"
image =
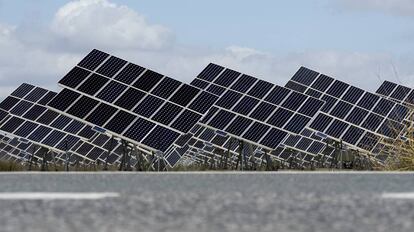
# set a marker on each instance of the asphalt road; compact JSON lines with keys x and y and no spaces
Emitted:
{"x":206,"y":202}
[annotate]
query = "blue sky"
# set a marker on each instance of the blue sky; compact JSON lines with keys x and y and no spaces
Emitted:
{"x":361,"y":42}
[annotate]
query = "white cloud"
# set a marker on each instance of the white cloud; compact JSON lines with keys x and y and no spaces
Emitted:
{"x":395,"y":7}
{"x":89,"y":23}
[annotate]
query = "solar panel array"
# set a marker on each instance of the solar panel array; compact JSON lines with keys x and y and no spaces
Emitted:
{"x":104,"y":97}
{"x":9,"y":150}
{"x":357,"y":117}
{"x":29,"y":118}
{"x":129,"y":101}
{"x":264,"y":115}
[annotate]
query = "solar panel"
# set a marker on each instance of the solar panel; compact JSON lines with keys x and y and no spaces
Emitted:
{"x":120,"y":96}
{"x":30,"y":119}
{"x":253,"y":110}
{"x":359,"y":118}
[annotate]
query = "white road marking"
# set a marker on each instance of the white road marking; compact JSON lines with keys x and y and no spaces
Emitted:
{"x":55,"y":196}
{"x":398,"y":195}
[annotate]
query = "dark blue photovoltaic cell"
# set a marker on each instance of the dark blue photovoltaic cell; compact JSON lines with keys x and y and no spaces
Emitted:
{"x":316,"y":147}
{"x":87,"y":132}
{"x":356,"y":116}
{"x":337,"y":128}
{"x":226,"y":78}
{"x":341,"y":109}
{"x":82,"y":107}
{"x":48,"y":117}
{"x":386,"y":88}
{"x":111,"y":91}
{"x":3,"y":115}
{"x":337,"y":88}
{"x":26,"y":129}
{"x":139,"y":129}
{"x":120,"y":122}
{"x":203,"y":102}
{"x":166,"y":88}
{"x":273,"y":138}
{"x":239,"y":125}
{"x":383,"y":107}
{"x":311,"y":107}
{"x":167,"y":113}
{"x":22,"y":90}
{"x":61,"y":122}
{"x":93,"y":59}
{"x":322,"y":83}
{"x":21,"y":108}
{"x":47,"y":98}
{"x":148,"y":80}
{"x":129,"y":98}
{"x":297,"y":123}
{"x":229,"y":99}
{"x":368,"y":101}
{"x":95,"y":153}
{"x":295,"y":86}
{"x":74,"y":77}
{"x":244,"y":83}
{"x":84,"y":149}
{"x":294,"y":101}
{"x":256,"y":132}
{"x":35,"y":94}
{"x":101,"y":114}
{"x":260,"y":89}
{"x":400,"y":92}
{"x":221,"y":119}
{"x":129,"y":74}
{"x":8,"y":103}
{"x":305,"y":76}
{"x":64,"y":99}
{"x":210,"y":72}
{"x":101,"y":140}
{"x":207,"y":134}
{"x":352,"y":135}
{"x":280,"y":117}
{"x":321,"y":122}
{"x":183,"y":139}
{"x":111,"y":66}
{"x":219,"y":140}
{"x":148,"y":106}
{"x":292,"y":140}
{"x":372,"y":122}
{"x":12,"y":124}
{"x":329,"y":103}
{"x":160,"y":138}
{"x":262,"y":111}
{"x":186,"y":121}
{"x":303,"y":144}
{"x":184,"y":95}
{"x":93,"y":84}
{"x":245,"y":105}
{"x":353,"y":94}
{"x":40,"y":133}
{"x":74,"y":127}
{"x":53,"y":138}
